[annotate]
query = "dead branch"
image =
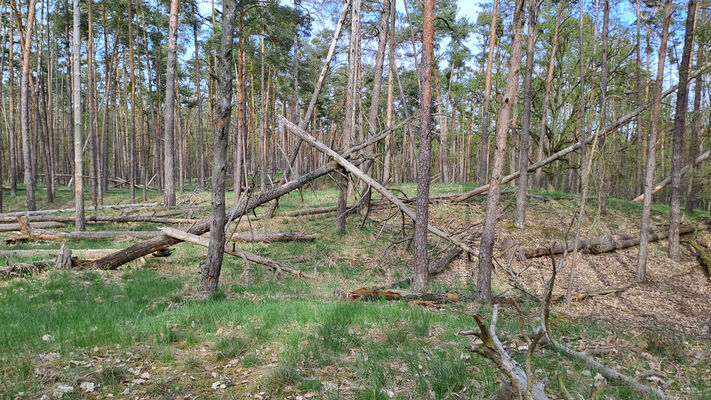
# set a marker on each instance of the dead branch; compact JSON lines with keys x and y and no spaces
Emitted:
{"x":395,"y":294}
{"x":89,"y":253}
{"x":664,"y":182}
{"x":68,"y":210}
{"x":16,"y":227}
{"x":371,"y":182}
{"x":277,"y":267}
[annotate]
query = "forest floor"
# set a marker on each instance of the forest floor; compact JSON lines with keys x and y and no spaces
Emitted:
{"x":143,"y":331}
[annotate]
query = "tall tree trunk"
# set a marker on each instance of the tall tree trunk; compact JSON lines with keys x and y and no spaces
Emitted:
{"x":168,"y":110}
{"x":375,"y":99}
{"x":241,"y":131}
{"x":352,"y":95}
{"x":391,"y":87}
{"x":29,"y":178}
{"x":198,"y":98}
{"x":483,"y":170}
{"x":11,"y":133}
{"x":76,"y":103}
{"x":641,"y":274}
{"x":213,"y":264}
{"x":503,"y":124}
{"x":132,"y":136}
{"x":682,"y":99}
{"x":522,"y":185}
{"x":421,"y":278}
{"x":692,"y":191}
{"x":546,"y":95}
{"x":93,"y":117}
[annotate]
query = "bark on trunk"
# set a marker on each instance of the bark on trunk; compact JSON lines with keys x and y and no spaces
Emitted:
{"x":483,"y":170}
{"x":502,"y":127}
{"x":29,"y":178}
{"x":168,"y":107}
{"x":522,"y":184}
{"x":216,"y":246}
{"x":641,"y":274}
{"x":76,"y":103}
{"x":682,"y":99}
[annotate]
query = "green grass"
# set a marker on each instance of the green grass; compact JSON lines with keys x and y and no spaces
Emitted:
{"x":288,"y":334}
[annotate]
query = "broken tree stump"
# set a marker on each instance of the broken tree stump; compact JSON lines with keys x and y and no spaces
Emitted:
{"x":64,"y":258}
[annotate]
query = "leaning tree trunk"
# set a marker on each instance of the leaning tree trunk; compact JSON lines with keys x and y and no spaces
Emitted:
{"x":76,"y":103}
{"x":502,"y":128}
{"x":682,"y":99}
{"x":641,"y":274}
{"x":421,"y":278}
{"x":522,"y":185}
{"x":168,"y":110}
{"x":216,"y":248}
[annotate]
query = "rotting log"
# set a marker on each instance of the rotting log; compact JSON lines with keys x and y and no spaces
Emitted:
{"x":607,"y":243}
{"x":271,"y":237}
{"x":277,"y":267}
{"x":56,"y":236}
{"x":664,"y":182}
{"x":86,"y":253}
{"x":18,"y":270}
{"x":553,"y":157}
{"x":396,"y":294}
{"x":67,"y":210}
{"x":158,"y":243}
{"x":372,"y":183}
{"x":703,"y":255}
{"x":434,"y":269}
{"x":102,"y":218}
{"x":17,"y":227}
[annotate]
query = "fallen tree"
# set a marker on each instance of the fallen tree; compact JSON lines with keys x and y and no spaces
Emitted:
{"x":68,"y":210}
{"x":18,"y":227}
{"x":202,"y":226}
{"x":87,"y":253}
{"x":18,"y":270}
{"x":666,"y":181}
{"x":607,"y":244}
{"x":271,"y":237}
{"x":372,"y":183}
{"x":103,"y":218}
{"x":553,"y":157}
{"x":277,"y":267}
{"x":395,"y":294}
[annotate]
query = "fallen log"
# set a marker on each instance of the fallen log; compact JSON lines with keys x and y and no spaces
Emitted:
{"x":87,"y":253}
{"x":57,"y":236}
{"x":434,"y":269}
{"x":617,"y":124}
{"x":271,"y":237}
{"x":664,"y":182}
{"x":163,"y":241}
{"x":255,"y":258}
{"x":608,"y":243}
{"x":17,"y":227}
{"x":703,"y":256}
{"x":372,"y":183}
{"x":91,"y":208}
{"x":593,"y":293}
{"x":103,"y":218}
{"x":395,"y":294}
{"x":21,"y":269}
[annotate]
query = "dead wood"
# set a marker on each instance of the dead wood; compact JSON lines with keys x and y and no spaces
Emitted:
{"x":666,"y":181}
{"x":608,"y":243}
{"x":277,"y":267}
{"x":89,"y":253}
{"x":434,"y":269}
{"x":372,"y":183}
{"x":703,"y":255}
{"x":271,"y":237}
{"x":593,"y":293}
{"x":68,"y":210}
{"x":163,"y":241}
{"x":21,"y":269}
{"x":492,"y":348}
{"x":64,"y":258}
{"x":56,"y":236}
{"x":16,"y":227}
{"x":601,"y":132}
{"x":396,"y":294}
{"x":46,"y":219}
